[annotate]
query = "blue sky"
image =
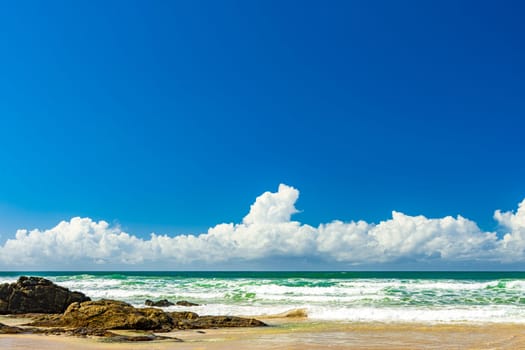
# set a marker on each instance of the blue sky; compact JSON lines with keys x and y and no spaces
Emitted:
{"x":172,"y":117}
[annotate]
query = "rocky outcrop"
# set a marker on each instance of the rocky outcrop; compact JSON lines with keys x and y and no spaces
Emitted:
{"x":180,"y":316}
{"x":166,"y":303}
{"x":207,"y":322}
{"x":112,"y":314}
{"x":108,"y":314}
{"x":74,"y":314}
{"x":85,"y":332}
{"x":159,"y":303}
{"x":36,"y":295}
{"x":186,"y":303}
{"x":191,"y":320}
{"x":5,"y":329}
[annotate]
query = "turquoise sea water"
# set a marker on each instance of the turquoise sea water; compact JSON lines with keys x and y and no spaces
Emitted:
{"x":434,"y":297}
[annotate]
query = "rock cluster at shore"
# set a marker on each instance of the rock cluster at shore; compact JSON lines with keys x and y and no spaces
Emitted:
{"x":84,"y":332}
{"x":5,"y":329}
{"x":159,"y":303}
{"x":166,"y":303}
{"x":72,"y":313}
{"x":112,"y":314}
{"x":36,"y":295}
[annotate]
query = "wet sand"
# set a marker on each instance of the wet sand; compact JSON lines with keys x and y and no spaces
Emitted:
{"x":283,"y":334}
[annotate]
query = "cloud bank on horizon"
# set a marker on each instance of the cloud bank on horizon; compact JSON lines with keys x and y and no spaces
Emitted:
{"x":268,"y":233}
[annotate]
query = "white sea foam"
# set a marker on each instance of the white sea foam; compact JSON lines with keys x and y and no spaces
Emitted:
{"x":519,"y":285}
{"x":495,"y":314}
{"x":7,"y":280}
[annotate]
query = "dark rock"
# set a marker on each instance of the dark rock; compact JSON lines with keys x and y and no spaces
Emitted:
{"x":159,"y":303}
{"x":113,"y":337}
{"x":89,"y":332}
{"x":186,"y":303}
{"x":36,"y":295}
{"x":183,"y":320}
{"x":183,"y":315}
{"x":139,"y":338}
{"x":206,"y":322}
{"x":166,"y":303}
{"x":190,"y":320}
{"x":4,"y":329}
{"x":86,"y":332}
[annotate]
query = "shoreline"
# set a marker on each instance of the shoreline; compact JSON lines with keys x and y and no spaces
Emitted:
{"x":90,"y":325}
{"x":301,"y":334}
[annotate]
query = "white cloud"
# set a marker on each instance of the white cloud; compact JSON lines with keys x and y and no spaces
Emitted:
{"x":267,"y":232}
{"x":272,"y":208}
{"x":77,"y":240}
{"x":405,"y":237}
{"x":513,"y":244}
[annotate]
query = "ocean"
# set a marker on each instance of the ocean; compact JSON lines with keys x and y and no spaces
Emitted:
{"x":422,"y":297}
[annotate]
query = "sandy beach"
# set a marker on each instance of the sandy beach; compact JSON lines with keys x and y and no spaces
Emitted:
{"x":305,"y":334}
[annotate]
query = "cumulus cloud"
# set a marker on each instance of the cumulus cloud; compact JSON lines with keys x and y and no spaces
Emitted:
{"x":513,"y":244}
{"x":77,"y":240}
{"x":268,"y":232}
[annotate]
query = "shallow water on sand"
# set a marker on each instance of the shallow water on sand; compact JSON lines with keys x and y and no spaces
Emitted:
{"x":306,"y":335}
